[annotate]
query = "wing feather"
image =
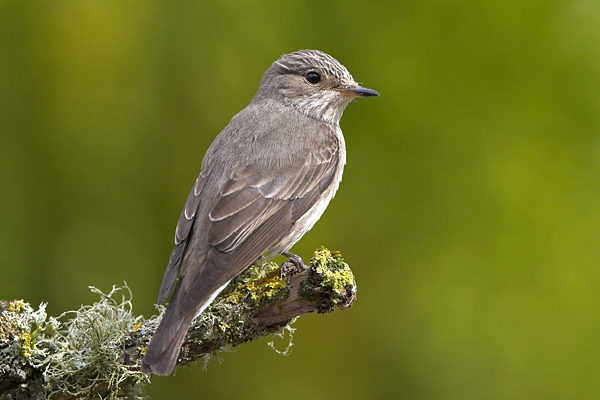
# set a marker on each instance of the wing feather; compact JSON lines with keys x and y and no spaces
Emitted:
{"x":234,"y":204}
{"x":182,"y":232}
{"x":226,"y":233}
{"x":248,"y":203}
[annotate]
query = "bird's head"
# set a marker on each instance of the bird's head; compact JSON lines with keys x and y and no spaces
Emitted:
{"x":312,"y":82}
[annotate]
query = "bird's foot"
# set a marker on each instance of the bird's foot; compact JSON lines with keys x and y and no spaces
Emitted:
{"x":294,"y":266}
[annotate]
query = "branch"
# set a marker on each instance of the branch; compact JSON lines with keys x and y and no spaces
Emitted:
{"x":97,"y":352}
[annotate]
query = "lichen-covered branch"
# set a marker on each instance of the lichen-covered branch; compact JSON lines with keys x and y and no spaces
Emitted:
{"x":96,"y":351}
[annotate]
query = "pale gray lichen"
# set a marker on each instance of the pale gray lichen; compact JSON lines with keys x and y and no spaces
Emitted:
{"x":281,"y":334}
{"x":80,"y":358}
{"x":20,"y":328}
{"x":91,"y":350}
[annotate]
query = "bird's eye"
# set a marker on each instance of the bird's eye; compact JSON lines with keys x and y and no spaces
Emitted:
{"x":313,"y":77}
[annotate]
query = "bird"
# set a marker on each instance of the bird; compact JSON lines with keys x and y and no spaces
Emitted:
{"x":264,"y":182}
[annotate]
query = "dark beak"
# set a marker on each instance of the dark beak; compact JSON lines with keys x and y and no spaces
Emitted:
{"x":358,"y":91}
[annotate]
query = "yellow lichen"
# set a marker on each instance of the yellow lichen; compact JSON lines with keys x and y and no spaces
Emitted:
{"x":321,"y":256}
{"x":16,"y":306}
{"x":257,"y":285}
{"x":267,"y":287}
{"x":235,"y":297}
{"x":224,"y":326}
{"x":336,"y":273}
{"x":26,"y":346}
{"x":337,"y":280}
{"x":137,"y":326}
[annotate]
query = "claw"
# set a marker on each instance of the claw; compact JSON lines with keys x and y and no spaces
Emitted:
{"x":294,"y":266}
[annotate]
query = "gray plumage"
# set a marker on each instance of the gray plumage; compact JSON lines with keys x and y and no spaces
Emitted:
{"x":265,"y":181}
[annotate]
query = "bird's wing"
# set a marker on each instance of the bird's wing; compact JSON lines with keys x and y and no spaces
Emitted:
{"x":182,"y":232}
{"x":255,"y":208}
{"x":254,"y":211}
{"x":252,"y":197}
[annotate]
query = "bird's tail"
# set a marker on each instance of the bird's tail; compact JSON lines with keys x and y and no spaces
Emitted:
{"x":163,"y":350}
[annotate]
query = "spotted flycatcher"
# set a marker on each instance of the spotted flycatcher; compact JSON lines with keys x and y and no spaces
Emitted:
{"x":265,"y":181}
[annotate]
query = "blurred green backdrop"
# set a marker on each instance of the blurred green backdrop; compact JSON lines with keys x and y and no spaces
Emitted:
{"x":469,"y":210}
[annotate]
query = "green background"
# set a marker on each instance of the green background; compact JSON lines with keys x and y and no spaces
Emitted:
{"x":469,"y":210}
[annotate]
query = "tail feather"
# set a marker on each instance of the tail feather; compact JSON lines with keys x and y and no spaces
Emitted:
{"x":163,"y":350}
